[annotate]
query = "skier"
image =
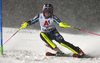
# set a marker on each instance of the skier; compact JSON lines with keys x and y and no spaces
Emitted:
{"x":49,"y":31}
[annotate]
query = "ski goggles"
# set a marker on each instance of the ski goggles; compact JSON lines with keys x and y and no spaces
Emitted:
{"x":47,"y":11}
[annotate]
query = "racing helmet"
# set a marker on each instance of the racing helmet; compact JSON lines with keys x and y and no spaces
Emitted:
{"x":48,"y":8}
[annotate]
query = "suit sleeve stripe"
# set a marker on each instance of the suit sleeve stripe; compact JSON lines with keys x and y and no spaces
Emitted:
{"x":56,"y":21}
{"x":34,"y":21}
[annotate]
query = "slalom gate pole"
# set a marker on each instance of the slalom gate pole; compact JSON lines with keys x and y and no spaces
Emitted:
{"x":13,"y":35}
{"x":84,"y":31}
{"x":1,"y":39}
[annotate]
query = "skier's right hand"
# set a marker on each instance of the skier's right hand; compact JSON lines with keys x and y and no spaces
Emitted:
{"x":24,"y":25}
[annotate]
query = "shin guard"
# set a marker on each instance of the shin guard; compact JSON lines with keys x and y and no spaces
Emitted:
{"x":69,"y":46}
{"x":47,"y":40}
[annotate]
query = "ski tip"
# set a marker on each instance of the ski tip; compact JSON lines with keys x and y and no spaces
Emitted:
{"x":50,"y":54}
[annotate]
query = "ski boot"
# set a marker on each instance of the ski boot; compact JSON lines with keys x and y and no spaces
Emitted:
{"x":55,"y":54}
{"x":57,"y":50}
{"x":80,"y":54}
{"x":60,"y":53}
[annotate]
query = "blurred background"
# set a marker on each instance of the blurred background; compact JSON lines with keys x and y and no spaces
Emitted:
{"x":84,"y":14}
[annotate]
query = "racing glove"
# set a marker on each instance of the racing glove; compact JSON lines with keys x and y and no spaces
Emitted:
{"x":24,"y":25}
{"x":64,"y":25}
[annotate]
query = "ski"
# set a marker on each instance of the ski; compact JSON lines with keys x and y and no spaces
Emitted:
{"x":50,"y":54}
{"x":58,"y":54}
{"x":67,"y":55}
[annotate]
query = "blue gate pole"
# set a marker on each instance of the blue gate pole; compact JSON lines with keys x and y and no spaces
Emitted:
{"x":1,"y":27}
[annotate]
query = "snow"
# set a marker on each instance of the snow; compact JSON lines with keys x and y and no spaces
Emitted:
{"x":27,"y":47}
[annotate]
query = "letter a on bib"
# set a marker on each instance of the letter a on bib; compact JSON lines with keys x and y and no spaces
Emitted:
{"x":46,"y":23}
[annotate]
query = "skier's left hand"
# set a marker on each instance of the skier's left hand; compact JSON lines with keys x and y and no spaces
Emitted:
{"x":64,"y":25}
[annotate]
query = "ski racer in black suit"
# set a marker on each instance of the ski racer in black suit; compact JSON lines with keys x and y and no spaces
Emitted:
{"x":49,"y":31}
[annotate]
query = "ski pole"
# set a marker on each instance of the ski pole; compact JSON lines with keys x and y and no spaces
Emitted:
{"x":84,"y":31}
{"x":13,"y":35}
{"x":24,"y":25}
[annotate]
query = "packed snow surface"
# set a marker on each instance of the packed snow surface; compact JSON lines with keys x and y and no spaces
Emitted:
{"x":27,"y":47}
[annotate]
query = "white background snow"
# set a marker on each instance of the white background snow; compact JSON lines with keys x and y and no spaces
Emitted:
{"x":27,"y":47}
